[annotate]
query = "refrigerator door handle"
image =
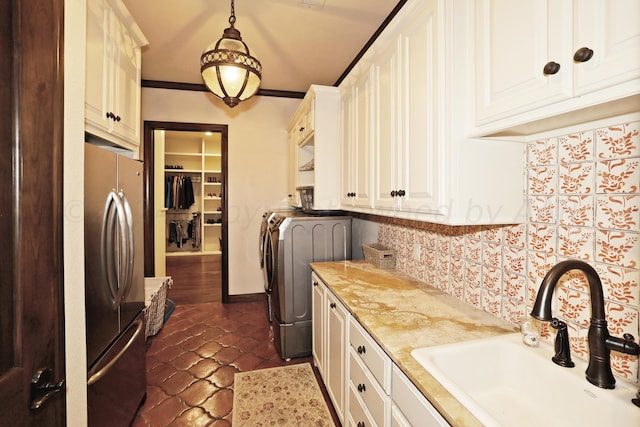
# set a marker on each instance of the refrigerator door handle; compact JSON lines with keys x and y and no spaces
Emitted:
{"x":127,"y":251}
{"x":113,"y":215}
{"x":96,"y":376}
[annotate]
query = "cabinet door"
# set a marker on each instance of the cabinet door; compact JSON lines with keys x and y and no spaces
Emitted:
{"x":363,"y":124}
{"x":513,"y":42}
{"x":97,"y":63}
{"x":387,"y":118}
{"x":422,"y":57}
{"x":292,"y":181}
{"x":318,"y":320}
{"x":347,"y":156}
{"x":612,"y":31}
{"x":336,"y":345}
{"x":126,"y":80}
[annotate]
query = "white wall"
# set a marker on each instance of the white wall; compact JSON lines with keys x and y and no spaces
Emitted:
{"x":257,"y":172}
{"x":73,"y":223}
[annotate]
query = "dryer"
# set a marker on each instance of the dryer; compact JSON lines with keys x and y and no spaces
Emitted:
{"x":294,"y":240}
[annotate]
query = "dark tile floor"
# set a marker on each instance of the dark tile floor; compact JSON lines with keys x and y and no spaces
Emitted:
{"x":192,"y":360}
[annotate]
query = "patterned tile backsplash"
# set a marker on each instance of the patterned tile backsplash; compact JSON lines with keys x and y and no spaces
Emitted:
{"x":583,"y":202}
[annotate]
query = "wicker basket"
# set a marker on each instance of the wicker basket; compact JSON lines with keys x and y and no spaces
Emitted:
{"x":156,"y":296}
{"x":379,"y":255}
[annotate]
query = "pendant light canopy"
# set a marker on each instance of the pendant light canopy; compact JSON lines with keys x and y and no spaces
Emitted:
{"x":228,"y":69}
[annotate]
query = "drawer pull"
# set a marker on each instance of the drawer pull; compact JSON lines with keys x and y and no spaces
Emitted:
{"x":332,"y":305}
{"x":362,"y":388}
{"x":361,"y":349}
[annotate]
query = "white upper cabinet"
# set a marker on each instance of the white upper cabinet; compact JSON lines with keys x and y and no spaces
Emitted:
{"x":422,"y":166}
{"x":407,"y":125}
{"x":314,"y":144}
{"x":112,"y":97}
{"x":357,"y":108}
{"x":537,"y":59}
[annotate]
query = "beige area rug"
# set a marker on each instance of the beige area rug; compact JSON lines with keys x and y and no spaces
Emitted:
{"x":283,"y":396}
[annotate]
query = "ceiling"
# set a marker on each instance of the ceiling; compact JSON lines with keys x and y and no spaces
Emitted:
{"x":297,"y":44}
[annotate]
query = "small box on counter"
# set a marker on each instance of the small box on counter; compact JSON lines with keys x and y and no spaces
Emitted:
{"x":380,"y":256}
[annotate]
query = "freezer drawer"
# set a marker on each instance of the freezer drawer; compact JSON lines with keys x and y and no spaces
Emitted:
{"x":117,"y":382}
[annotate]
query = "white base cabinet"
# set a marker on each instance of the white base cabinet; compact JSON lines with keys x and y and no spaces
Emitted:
{"x":330,"y":343}
{"x":366,"y":388}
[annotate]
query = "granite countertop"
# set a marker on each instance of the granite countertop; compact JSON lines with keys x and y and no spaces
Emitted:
{"x":402,"y":314}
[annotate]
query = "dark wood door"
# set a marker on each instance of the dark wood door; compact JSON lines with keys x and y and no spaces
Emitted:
{"x":31,"y":123}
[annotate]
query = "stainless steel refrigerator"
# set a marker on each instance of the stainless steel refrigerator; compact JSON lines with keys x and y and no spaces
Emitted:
{"x":114,"y":286}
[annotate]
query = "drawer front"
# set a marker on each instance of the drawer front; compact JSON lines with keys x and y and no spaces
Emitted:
{"x":370,"y":353}
{"x":374,"y":398}
{"x":358,"y":415}
{"x":414,"y":406}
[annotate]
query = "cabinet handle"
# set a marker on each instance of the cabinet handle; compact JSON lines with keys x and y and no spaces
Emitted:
{"x":315,"y":283}
{"x":394,"y":193}
{"x":361,"y":424}
{"x":362,"y":388}
{"x":401,"y":193}
{"x":332,"y":305}
{"x":583,"y":54}
{"x":116,"y":118}
{"x":551,"y":68}
{"x":361,"y":349}
{"x":302,"y":129}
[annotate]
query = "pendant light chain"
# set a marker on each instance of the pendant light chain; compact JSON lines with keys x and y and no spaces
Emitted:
{"x":232,"y":18}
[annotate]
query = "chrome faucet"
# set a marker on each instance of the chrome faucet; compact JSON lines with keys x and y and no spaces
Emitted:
{"x":600,"y":342}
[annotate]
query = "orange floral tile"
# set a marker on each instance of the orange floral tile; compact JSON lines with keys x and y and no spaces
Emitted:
{"x":575,"y":242}
{"x":542,"y":152}
{"x":618,"y":212}
{"x":618,"y":141}
{"x":543,"y":209}
{"x":577,"y":147}
{"x":543,"y":180}
{"x":618,"y":176}
{"x":576,"y":210}
{"x":619,"y":248}
{"x":576,"y":178}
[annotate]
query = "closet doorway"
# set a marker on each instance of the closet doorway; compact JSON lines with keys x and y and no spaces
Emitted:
{"x":186,"y":227}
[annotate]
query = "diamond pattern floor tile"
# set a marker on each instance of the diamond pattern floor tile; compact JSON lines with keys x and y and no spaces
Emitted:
{"x":192,"y":360}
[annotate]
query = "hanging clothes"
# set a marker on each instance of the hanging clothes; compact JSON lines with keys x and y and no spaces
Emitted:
{"x":179,"y":192}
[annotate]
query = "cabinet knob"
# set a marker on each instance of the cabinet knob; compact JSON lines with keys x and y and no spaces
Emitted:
{"x":302,"y":129}
{"x":551,"y":68}
{"x":583,"y":54}
{"x":361,"y":349}
{"x":362,"y":388}
{"x":116,"y":118}
{"x":361,"y":424}
{"x":315,"y":283}
{"x":401,"y":193}
{"x":394,"y":193}
{"x":332,"y":305}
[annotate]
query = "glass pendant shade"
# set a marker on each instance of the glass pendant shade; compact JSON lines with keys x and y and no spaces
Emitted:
{"x":228,"y":68}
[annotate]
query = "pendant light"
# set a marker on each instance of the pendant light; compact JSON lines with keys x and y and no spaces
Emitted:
{"x":227,"y":67}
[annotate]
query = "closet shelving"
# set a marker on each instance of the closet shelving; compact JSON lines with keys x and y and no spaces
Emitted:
{"x":197,"y":157}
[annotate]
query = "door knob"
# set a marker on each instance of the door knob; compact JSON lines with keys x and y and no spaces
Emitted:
{"x":43,"y":387}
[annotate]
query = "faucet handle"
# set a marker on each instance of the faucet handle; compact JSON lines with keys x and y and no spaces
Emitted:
{"x":628,"y":338}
